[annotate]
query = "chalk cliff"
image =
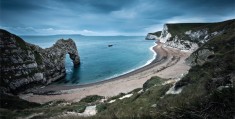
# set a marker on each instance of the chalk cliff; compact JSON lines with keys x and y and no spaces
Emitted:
{"x":153,"y":36}
{"x":24,"y":65}
{"x":191,"y":36}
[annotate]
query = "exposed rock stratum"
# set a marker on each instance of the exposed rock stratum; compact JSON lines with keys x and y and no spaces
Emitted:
{"x":24,"y":65}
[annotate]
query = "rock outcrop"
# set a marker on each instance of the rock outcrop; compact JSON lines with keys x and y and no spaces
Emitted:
{"x":200,"y":57}
{"x":24,"y":65}
{"x":153,"y":36}
{"x":188,"y":40}
{"x":220,"y":44}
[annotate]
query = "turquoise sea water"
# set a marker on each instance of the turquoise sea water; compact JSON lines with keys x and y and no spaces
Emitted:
{"x":98,"y":61}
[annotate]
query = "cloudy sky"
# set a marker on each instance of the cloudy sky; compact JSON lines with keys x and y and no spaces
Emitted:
{"x":107,"y":17}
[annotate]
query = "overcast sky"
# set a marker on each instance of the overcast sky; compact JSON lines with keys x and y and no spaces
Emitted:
{"x":107,"y":17}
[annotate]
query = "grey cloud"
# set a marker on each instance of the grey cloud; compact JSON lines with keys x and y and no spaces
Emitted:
{"x":120,"y":16}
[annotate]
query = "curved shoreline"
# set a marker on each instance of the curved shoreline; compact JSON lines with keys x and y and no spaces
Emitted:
{"x":55,"y":88}
{"x":147,"y":63}
{"x":169,"y":64}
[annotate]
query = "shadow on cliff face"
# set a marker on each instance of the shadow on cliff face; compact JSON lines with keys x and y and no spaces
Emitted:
{"x":72,"y":73}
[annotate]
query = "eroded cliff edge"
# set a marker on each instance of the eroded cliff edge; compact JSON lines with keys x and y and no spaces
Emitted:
{"x":191,"y":36}
{"x":24,"y":65}
{"x":153,"y":36}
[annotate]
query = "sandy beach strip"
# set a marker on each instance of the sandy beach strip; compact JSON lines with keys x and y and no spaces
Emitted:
{"x":169,"y":63}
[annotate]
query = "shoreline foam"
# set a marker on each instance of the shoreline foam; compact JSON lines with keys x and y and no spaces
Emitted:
{"x":141,"y":66}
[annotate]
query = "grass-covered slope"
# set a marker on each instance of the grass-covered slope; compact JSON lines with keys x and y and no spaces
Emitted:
{"x":181,"y":28}
{"x":13,"y":107}
{"x":14,"y":102}
{"x":208,"y":88}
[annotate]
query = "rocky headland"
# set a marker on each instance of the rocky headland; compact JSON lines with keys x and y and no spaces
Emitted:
{"x":153,"y":36}
{"x":24,"y":65}
{"x":191,"y":36}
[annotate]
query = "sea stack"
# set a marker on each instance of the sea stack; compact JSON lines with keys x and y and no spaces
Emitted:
{"x":24,"y":65}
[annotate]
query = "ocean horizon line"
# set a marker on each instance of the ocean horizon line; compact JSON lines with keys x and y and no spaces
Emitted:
{"x":42,"y":35}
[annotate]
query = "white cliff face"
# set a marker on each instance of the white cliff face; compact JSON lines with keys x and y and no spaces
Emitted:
{"x":186,"y":45}
{"x":189,"y":40}
{"x":165,"y":35}
{"x":201,"y":36}
{"x":198,"y":36}
{"x":151,"y":37}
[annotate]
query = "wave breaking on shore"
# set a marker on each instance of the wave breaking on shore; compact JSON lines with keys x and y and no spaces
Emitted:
{"x":129,"y":71}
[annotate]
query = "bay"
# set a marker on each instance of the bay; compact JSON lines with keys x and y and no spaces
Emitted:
{"x":99,"y":61}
